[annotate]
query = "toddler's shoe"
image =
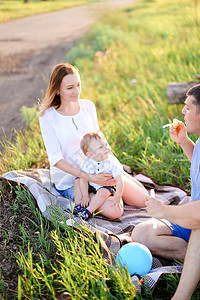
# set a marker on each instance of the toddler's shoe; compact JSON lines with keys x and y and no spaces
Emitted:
{"x":77,"y":208}
{"x":84,"y":214}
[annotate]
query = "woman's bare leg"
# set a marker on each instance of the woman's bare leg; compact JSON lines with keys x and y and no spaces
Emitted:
{"x":134,"y":192}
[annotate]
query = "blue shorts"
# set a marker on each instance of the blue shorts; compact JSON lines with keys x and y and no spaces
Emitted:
{"x":111,"y":189}
{"x":180,"y":232}
{"x":69,"y":193}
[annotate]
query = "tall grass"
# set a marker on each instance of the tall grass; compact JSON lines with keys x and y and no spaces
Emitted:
{"x":58,"y":262}
{"x":153,"y":42}
{"x":28,"y":148}
{"x":78,"y":272}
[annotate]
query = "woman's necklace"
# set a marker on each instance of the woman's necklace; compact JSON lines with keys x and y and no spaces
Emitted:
{"x":74,"y":123}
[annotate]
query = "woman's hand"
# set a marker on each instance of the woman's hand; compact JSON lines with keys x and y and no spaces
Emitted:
{"x":178,"y":134}
{"x":104,"y":179}
{"x":154,"y":207}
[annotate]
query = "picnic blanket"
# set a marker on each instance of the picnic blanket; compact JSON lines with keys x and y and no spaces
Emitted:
{"x":112,"y":233}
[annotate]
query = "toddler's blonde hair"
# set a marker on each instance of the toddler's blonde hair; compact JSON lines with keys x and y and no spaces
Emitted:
{"x":86,"y":140}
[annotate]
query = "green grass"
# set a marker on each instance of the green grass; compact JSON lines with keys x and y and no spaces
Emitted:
{"x":13,"y":9}
{"x":56,"y":260}
{"x":154,"y":42}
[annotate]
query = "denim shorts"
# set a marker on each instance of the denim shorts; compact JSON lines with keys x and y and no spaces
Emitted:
{"x":67,"y":193}
{"x":180,"y":232}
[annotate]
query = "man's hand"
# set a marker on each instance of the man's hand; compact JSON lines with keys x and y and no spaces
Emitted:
{"x":180,"y":135}
{"x":154,"y":207}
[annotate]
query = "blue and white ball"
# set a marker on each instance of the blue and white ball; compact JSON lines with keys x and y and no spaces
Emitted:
{"x":137,"y":257}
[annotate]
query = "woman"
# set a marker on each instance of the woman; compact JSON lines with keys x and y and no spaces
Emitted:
{"x":64,"y":120}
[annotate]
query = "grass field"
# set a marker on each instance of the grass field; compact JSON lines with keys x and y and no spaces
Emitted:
{"x":13,"y":9}
{"x":153,"y":42}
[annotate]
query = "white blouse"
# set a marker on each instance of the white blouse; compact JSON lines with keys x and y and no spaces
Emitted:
{"x":62,"y":136}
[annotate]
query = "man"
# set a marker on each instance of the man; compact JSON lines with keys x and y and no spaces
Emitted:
{"x":170,"y":238}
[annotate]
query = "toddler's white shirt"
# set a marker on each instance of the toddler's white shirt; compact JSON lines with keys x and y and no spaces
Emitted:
{"x":110,"y":165}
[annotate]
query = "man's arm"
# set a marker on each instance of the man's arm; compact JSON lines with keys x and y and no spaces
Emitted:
{"x":191,"y":269}
{"x":186,"y":215}
{"x":188,"y":147}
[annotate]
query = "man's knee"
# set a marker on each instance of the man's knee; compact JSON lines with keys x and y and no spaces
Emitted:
{"x":140,"y":233}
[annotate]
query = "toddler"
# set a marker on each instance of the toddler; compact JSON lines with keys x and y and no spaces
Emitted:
{"x":90,"y":198}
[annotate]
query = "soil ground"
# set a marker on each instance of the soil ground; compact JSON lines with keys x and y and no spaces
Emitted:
{"x":31,"y":46}
{"x":11,"y":239}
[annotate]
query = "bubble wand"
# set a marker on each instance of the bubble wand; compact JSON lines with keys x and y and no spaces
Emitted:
{"x":174,"y":124}
{"x":152,"y":194}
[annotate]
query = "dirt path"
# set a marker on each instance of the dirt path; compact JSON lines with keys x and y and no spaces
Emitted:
{"x":29,"y":48}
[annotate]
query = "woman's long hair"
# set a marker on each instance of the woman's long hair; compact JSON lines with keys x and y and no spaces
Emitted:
{"x":52,"y":98}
